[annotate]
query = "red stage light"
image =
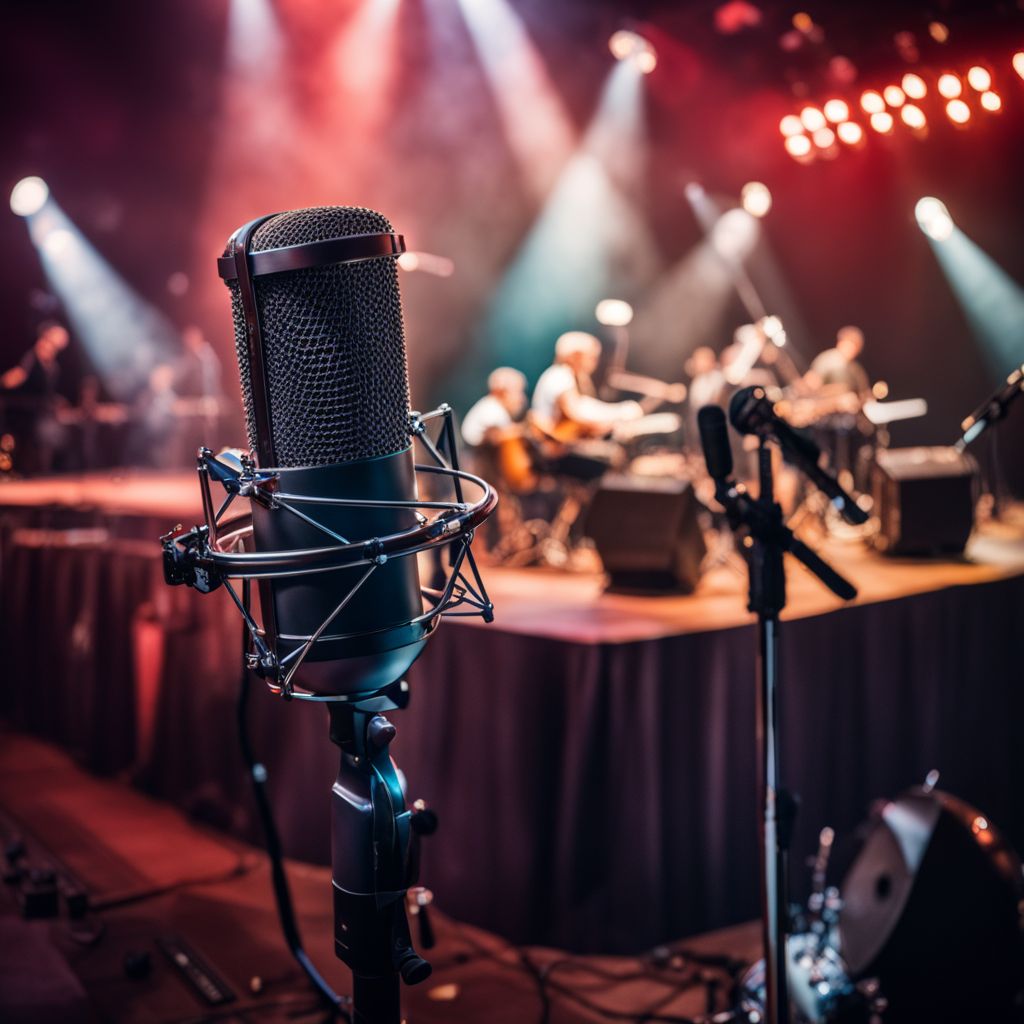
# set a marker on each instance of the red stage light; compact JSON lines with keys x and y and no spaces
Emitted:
{"x":871,"y":102}
{"x":979,"y":78}
{"x":837,"y":110}
{"x":894,"y":95}
{"x":850,"y":132}
{"x":1018,"y":63}
{"x":913,"y":117}
{"x":938,"y":31}
{"x":882,"y":122}
{"x":958,"y":111}
{"x":812,"y":118}
{"x":950,"y":86}
{"x":798,"y":146}
{"x":791,"y":125}
{"x":991,"y":101}
{"x":824,"y":138}
{"x":913,"y":86}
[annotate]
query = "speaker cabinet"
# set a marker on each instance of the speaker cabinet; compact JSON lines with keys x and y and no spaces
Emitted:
{"x":924,"y":498}
{"x":646,"y":532}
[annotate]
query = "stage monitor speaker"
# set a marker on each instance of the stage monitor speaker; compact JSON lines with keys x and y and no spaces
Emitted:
{"x":645,"y":529}
{"x":924,"y":498}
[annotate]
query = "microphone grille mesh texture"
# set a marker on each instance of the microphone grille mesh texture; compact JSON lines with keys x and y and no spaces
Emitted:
{"x":333,"y":345}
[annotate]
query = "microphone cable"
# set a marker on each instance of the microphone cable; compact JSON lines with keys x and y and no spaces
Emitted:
{"x":272,"y":839}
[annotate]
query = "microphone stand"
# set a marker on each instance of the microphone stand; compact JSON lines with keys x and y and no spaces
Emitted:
{"x":770,"y":539}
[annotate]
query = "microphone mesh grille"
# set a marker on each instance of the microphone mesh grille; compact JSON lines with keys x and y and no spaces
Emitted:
{"x":333,"y":346}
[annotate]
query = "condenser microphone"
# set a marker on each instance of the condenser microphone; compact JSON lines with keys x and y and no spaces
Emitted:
{"x":321,"y":356}
{"x":751,"y":412}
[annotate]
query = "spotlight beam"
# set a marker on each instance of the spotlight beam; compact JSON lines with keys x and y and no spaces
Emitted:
{"x":124,"y":336}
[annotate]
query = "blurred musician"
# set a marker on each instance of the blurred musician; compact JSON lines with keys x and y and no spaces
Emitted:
{"x":491,"y":417}
{"x":836,"y":370}
{"x":197,"y":372}
{"x":565,"y":402}
{"x":31,"y":397}
{"x":155,"y":417}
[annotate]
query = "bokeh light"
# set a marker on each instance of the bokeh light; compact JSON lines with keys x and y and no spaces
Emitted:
{"x":824,"y":138}
{"x":798,"y":146}
{"x":850,"y":132}
{"x":979,"y":78}
{"x":812,"y":118}
{"x":991,"y":101}
{"x":29,"y":196}
{"x":871,"y":102}
{"x":791,"y":125}
{"x":958,"y":111}
{"x":627,"y":45}
{"x":755,"y":198}
{"x":894,"y":95}
{"x":913,"y":85}
{"x":913,"y":117}
{"x":614,"y":313}
{"x":938,"y":31}
{"x":950,"y":86}
{"x":882,"y":122}
{"x":1018,"y":63}
{"x":933,"y":218}
{"x":837,"y":110}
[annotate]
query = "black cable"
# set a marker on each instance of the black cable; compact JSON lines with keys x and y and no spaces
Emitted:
{"x":651,"y":1015}
{"x":272,"y":840}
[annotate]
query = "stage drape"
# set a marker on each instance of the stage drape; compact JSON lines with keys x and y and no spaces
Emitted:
{"x":596,"y":796}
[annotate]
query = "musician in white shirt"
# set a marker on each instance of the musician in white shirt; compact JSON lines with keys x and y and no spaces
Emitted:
{"x":498,"y":410}
{"x":565,"y":390}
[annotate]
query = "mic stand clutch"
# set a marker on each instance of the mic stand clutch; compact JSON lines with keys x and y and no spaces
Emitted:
{"x":368,"y":813}
{"x":770,"y":539}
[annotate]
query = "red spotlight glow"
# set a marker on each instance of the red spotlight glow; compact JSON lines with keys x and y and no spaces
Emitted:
{"x":791,"y":125}
{"x":894,"y":95}
{"x":950,"y":86}
{"x":882,"y":122}
{"x":938,"y":31}
{"x":979,"y":79}
{"x":798,"y":146}
{"x":824,"y":138}
{"x":871,"y":102}
{"x":850,"y":132}
{"x":958,"y":111}
{"x":913,"y":117}
{"x":837,"y":110}
{"x":991,"y":101}
{"x":1018,"y":63}
{"x":812,"y":118}
{"x":913,"y":86}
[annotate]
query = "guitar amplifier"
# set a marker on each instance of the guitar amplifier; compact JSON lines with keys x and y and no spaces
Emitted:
{"x":645,"y":529}
{"x":924,"y":499}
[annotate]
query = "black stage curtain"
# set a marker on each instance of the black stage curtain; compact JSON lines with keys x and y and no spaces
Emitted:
{"x":591,"y":796}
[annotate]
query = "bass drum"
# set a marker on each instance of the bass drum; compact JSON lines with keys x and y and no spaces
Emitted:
{"x":932,"y":909}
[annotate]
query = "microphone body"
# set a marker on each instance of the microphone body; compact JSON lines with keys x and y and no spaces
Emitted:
{"x":714,"y":439}
{"x":326,"y":394}
{"x":750,"y":412}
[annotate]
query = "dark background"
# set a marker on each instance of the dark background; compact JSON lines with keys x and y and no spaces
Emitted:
{"x":157,"y":155}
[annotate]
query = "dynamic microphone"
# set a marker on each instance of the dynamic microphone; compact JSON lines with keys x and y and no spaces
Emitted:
{"x":992,"y":409}
{"x":714,"y":439}
{"x":321,"y":355}
{"x":751,"y":412}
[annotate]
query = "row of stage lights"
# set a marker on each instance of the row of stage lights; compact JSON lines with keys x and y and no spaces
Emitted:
{"x":817,"y":132}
